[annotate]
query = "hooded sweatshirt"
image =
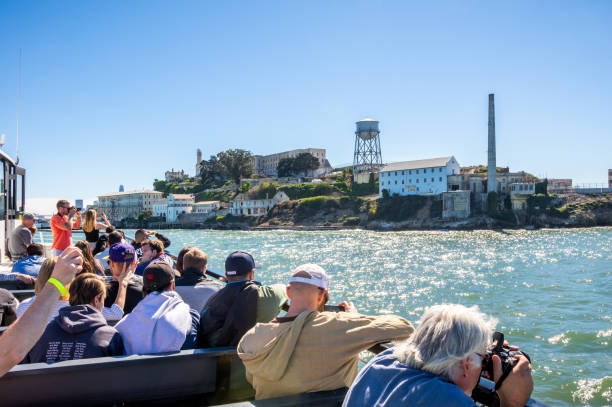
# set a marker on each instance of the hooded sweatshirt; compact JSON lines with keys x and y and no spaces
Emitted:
{"x":79,"y":331}
{"x":159,"y":323}
{"x":315,"y":352}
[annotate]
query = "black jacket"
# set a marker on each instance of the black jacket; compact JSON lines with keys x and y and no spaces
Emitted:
{"x":228,"y":314}
{"x":78,"y":332}
{"x":132,"y":296}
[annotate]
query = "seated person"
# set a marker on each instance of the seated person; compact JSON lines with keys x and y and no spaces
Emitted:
{"x":193,"y":286}
{"x":141,"y":235}
{"x":439,"y":365}
{"x":8,"y":307}
{"x":21,"y":237}
{"x":162,"y":321}
{"x":79,"y":331}
{"x":31,"y":264}
{"x":152,"y":251}
{"x":43,"y":275}
{"x":121,"y":259}
{"x":178,"y":264}
{"x":309,"y":349}
{"x":238,"y":306}
{"x":112,"y":239}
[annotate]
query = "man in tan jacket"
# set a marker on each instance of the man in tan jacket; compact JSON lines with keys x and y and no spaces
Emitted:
{"x":310,"y":350}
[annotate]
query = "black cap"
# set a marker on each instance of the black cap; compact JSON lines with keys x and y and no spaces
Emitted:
{"x":156,"y":276}
{"x":239,"y":263}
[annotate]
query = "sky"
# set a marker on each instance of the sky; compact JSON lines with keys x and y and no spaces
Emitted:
{"x":118,"y":92}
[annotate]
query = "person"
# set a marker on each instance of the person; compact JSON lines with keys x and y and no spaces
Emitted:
{"x":152,"y":251}
{"x":91,"y":226}
{"x":62,"y":224}
{"x":178,"y":264}
{"x":141,"y":235}
{"x":22,"y":335}
{"x":235,"y":309}
{"x":310,"y":349}
{"x":79,"y":331}
{"x":121,"y":260}
{"x":31,"y":264}
{"x":8,"y":307}
{"x":21,"y":237}
{"x":193,"y":285}
{"x":439,"y":365}
{"x":112,"y":238}
{"x":90,"y":264}
{"x":41,"y":281}
{"x":101,"y":244}
{"x":162,"y":321}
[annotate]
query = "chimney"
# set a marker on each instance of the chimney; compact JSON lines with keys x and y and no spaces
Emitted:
{"x":491,"y":178}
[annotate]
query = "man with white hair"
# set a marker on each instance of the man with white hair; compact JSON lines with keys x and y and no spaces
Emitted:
{"x":309,"y":349}
{"x":439,"y":365}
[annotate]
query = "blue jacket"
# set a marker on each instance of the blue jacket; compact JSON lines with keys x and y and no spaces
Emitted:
{"x":387,"y":382}
{"x":29,"y":265}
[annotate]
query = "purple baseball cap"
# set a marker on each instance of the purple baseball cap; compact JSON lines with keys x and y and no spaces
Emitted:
{"x":121,"y":253}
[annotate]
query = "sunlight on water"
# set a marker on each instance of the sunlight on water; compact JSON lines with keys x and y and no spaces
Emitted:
{"x":551,"y":289}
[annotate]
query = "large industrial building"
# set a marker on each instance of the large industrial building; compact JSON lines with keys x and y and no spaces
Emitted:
{"x":419,"y":177}
{"x":128,"y":204}
{"x":268,"y":164}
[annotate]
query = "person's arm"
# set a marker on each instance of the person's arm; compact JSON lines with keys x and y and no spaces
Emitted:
{"x":163,"y":239}
{"x":517,"y":387}
{"x":106,"y":222}
{"x":20,"y":337}
{"x":124,"y":279}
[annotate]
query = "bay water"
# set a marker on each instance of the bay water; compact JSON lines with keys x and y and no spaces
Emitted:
{"x":551,"y":290}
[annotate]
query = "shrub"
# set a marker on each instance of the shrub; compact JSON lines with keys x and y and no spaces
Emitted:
{"x":351,"y":221}
{"x":397,"y":208}
{"x":263,"y":189}
{"x":299,"y":191}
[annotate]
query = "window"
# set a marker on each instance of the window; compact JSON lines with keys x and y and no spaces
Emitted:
{"x":395,"y":172}
{"x":417,"y":182}
{"x":402,"y":183}
{"x":395,"y":182}
{"x":440,"y":179}
{"x":432,"y":180}
{"x":402,"y":172}
{"x":410,"y":180}
{"x":388,"y":182}
{"x":410,"y":172}
{"x":417,"y":171}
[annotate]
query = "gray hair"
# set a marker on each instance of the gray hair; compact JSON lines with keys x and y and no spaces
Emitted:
{"x":446,"y":335}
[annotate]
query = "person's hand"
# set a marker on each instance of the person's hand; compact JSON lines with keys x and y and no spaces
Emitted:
{"x":26,"y":279}
{"x":149,"y":232}
{"x":126,"y":274}
{"x":348,"y":307}
{"x":69,"y":262}
{"x":517,"y":387}
{"x":103,"y":216}
{"x":71,"y":211}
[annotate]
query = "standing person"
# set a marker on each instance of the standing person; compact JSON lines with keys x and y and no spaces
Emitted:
{"x":21,"y":336}
{"x":62,"y":224}
{"x":309,"y":349}
{"x":193,"y":285}
{"x":141,"y":235}
{"x":235,"y":309}
{"x":21,"y":237}
{"x":79,"y":331}
{"x":92,"y":227}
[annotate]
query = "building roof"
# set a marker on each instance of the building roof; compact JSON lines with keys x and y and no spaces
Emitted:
{"x":182,"y":196}
{"x":411,"y":165}
{"x":133,"y":192}
{"x":367,"y":119}
{"x":206,"y":203}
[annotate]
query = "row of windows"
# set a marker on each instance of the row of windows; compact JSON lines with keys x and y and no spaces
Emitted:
{"x":432,"y":170}
{"x":417,"y":181}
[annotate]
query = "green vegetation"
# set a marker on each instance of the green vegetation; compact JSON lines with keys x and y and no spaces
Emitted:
{"x":264,"y":189}
{"x":223,"y":195}
{"x":492,"y":203}
{"x":301,"y":164}
{"x":397,"y":208}
{"x":351,"y":221}
{"x":299,"y":191}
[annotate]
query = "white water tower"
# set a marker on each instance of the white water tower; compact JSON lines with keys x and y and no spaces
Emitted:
{"x":367,"y":157}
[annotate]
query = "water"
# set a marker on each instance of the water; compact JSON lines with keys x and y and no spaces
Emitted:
{"x":550,"y":289}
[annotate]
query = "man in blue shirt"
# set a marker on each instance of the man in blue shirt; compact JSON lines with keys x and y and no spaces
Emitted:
{"x":26,"y":269}
{"x":439,"y":365}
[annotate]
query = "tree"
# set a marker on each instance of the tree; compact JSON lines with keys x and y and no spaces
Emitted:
{"x":212,"y":172}
{"x":245,"y":186}
{"x":492,"y":203}
{"x":305,"y":162}
{"x":236,"y":163}
{"x":285,"y":167}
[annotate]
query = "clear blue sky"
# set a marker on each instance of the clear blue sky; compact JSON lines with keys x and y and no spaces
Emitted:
{"x":116,"y":92}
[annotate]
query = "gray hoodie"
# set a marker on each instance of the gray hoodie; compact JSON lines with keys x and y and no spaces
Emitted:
{"x":78,"y":332}
{"x":159,"y":323}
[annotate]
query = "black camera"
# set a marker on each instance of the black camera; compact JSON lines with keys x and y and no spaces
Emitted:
{"x":333,"y":308}
{"x":506,"y":355}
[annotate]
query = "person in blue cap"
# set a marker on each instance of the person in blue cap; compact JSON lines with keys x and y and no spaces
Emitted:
{"x":238,"y":306}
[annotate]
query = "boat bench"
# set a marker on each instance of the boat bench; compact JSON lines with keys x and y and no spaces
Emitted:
{"x":103,"y":381}
{"x":332,"y":398}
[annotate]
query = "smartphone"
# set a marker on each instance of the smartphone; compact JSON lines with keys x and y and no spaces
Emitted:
{"x":333,"y":308}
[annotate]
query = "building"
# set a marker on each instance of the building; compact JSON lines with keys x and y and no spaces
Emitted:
{"x":456,"y":204}
{"x":419,"y":177}
{"x":609,"y":178}
{"x":175,"y":176}
{"x":205,"y":207}
{"x":519,"y":193}
{"x":127,"y":204}
{"x":559,"y":186}
{"x":198,"y":166}
{"x":174,"y":206}
{"x":268,"y":164}
{"x":477,"y":182}
{"x":255,"y":207}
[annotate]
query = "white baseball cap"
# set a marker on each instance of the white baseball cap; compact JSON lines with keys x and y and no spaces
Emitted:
{"x":316,"y":275}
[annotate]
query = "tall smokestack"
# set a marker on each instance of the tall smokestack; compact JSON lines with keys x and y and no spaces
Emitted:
{"x":492,"y":168}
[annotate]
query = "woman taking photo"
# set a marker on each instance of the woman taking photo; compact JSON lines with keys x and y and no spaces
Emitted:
{"x":92,"y":227}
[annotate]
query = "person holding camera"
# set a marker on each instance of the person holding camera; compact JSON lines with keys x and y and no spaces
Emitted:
{"x":62,"y":224}
{"x":440,"y":365}
{"x":310,"y":349}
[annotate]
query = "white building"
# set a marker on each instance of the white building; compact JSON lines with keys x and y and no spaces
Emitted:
{"x":268,"y":164}
{"x":128,"y":204}
{"x":418,"y":177}
{"x":519,"y":193}
{"x":205,"y":207}
{"x":255,"y":207}
{"x":173,"y":206}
